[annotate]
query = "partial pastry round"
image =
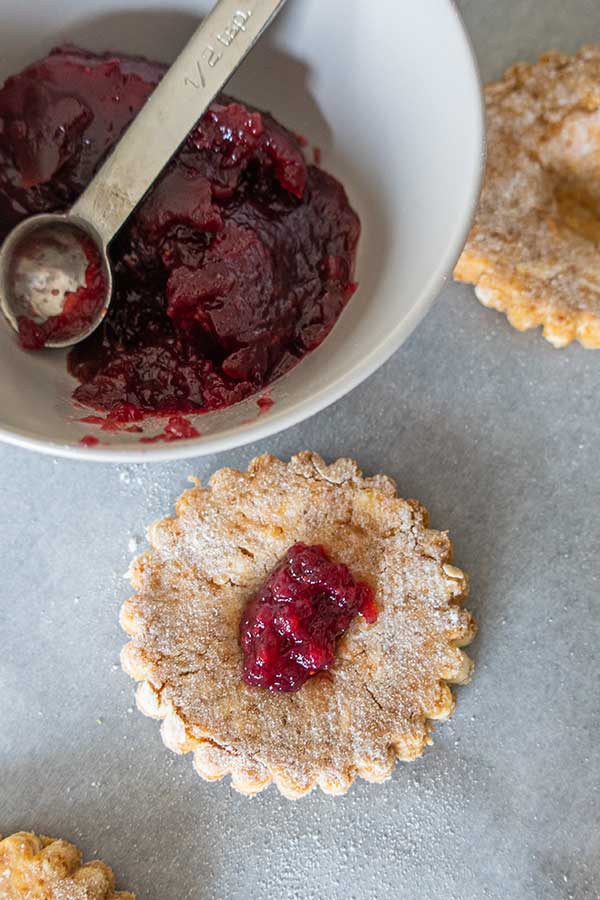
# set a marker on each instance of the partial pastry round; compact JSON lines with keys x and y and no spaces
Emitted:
{"x":533,"y":251}
{"x":389,"y":679}
{"x":36,"y":867}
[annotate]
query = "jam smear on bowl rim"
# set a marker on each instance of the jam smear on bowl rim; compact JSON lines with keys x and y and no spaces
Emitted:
{"x":290,"y":627}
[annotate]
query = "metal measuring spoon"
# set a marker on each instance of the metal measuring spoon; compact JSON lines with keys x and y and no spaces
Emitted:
{"x":45,"y":259}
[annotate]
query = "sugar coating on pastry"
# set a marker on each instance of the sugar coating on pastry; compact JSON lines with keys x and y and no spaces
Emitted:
{"x":36,"y":867}
{"x":389,"y":679}
{"x":533,"y":250}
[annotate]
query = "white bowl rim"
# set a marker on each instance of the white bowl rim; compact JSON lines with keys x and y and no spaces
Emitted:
{"x":275,"y":422}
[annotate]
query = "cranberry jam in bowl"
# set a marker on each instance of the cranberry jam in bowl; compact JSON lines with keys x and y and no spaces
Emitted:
{"x":290,"y":246}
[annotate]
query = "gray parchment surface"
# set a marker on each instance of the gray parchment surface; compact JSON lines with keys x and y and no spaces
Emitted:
{"x":499,"y":435}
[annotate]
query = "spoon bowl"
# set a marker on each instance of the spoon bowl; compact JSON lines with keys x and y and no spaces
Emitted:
{"x":55,"y":280}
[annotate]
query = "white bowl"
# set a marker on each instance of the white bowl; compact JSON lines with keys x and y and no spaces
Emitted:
{"x":389,"y":91}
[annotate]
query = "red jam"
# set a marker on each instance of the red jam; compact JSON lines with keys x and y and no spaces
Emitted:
{"x":264,"y":405}
{"x":236,"y":265}
{"x":89,"y":440}
{"x":120,"y":418}
{"x":177,"y":429}
{"x":290,"y":627}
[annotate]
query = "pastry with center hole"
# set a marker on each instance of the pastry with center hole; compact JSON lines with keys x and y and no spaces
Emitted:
{"x":533,"y":251}
{"x":36,"y":867}
{"x":296,"y":623}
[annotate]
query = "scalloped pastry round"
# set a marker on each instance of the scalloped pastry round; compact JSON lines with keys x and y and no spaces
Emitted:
{"x":36,"y":867}
{"x":533,"y":250}
{"x":390,"y":678}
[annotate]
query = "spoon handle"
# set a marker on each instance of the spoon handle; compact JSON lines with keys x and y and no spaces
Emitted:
{"x":204,"y":66}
